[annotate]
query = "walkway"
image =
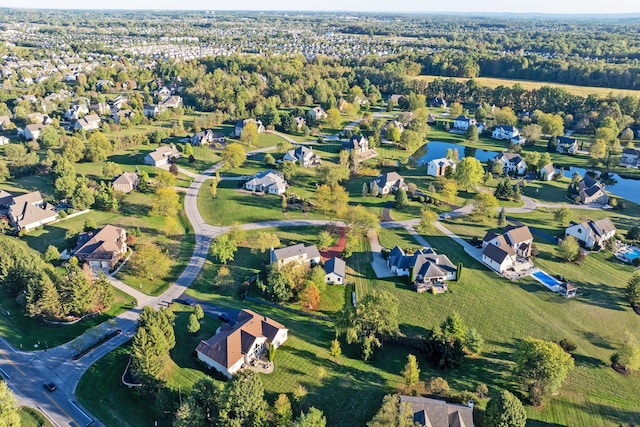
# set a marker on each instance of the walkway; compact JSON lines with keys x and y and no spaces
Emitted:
{"x":378,"y":263}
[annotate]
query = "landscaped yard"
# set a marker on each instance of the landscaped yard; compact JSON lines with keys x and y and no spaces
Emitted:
{"x":30,"y":417}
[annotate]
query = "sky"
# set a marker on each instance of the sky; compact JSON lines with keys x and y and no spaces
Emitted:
{"x":501,"y":6}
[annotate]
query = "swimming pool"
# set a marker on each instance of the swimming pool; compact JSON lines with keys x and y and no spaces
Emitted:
{"x":545,"y":279}
{"x":632,"y":253}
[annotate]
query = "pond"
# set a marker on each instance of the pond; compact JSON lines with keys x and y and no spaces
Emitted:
{"x":436,"y":150}
{"x":626,"y":188}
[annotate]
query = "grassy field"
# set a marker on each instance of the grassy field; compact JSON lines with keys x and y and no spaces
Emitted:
{"x":582,"y":91}
{"x":26,"y":333}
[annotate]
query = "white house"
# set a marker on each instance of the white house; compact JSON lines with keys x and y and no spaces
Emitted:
{"x":150,"y":110}
{"x":32,"y":131}
{"x":126,"y":182}
{"x":566,"y":145}
{"x":357,"y":143}
{"x":299,"y":253}
{"x":630,"y":158}
{"x":303,"y":155}
{"x":335,"y":271}
{"x":269,"y":181}
{"x":317,"y":114}
{"x":547,"y":172}
{"x":592,"y":234}
{"x":512,"y":163}
{"x":389,"y":183}
{"x":463,"y":123}
{"x":162,"y":155}
{"x":30,"y":211}
{"x":505,"y":132}
{"x":240,"y":124}
{"x":233,"y":347}
{"x":88,"y":123}
{"x":438,"y":167}
{"x":511,"y":249}
{"x":4,"y":140}
{"x":76,"y":111}
{"x":206,"y":137}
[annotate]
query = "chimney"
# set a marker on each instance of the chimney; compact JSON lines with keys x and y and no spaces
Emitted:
{"x":470,"y":403}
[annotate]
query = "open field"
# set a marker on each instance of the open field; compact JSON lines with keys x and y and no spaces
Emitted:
{"x":583,"y":91}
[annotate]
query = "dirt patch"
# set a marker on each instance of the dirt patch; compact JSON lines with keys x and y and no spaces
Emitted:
{"x":620,"y":369}
{"x":386,"y":212}
{"x":336,"y":250}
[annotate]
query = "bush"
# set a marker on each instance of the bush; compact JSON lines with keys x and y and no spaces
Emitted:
{"x":568,"y":345}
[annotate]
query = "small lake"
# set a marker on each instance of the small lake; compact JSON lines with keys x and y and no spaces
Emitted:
{"x":436,"y":150}
{"x":626,"y":188}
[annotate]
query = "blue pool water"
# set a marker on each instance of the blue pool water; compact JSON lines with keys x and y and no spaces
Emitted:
{"x":632,"y":254}
{"x":543,"y":277}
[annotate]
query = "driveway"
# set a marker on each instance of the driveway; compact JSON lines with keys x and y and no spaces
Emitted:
{"x":379,"y":264}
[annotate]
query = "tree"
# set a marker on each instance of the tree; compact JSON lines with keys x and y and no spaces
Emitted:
{"x":242,"y":403}
{"x":334,"y":118}
{"x":411,"y":372}
{"x":193,"y":326}
{"x":224,"y":248}
{"x":214,"y":188}
{"x":628,"y":356}
{"x":9,"y":415}
{"x":52,"y":254}
{"x":313,"y":418}
{"x":166,"y":202}
{"x":361,"y":220}
{"x":171,"y":227}
{"x":277,"y":287}
{"x":469,"y":173}
{"x":198,"y":311}
{"x":49,"y":137}
{"x":282,"y":411}
{"x":439,"y":386}
{"x":111,"y":169}
{"x":152,"y":342}
{"x":484,"y":205}
{"x":325,"y":239}
{"x":393,"y":133}
{"x":504,"y":410}
{"x":310,"y":297}
{"x":411,"y":140}
{"x":331,"y":199}
{"x":598,"y":149}
{"x":552,"y":124}
{"x":449,"y":189}
{"x":401,"y":199}
{"x":164,"y":179}
{"x":562,"y":215}
{"x":269,"y":160}
{"x":82,"y":197}
{"x":332,"y":175}
{"x":98,"y":147}
{"x":149,"y":261}
{"x":506,"y":116}
{"x":375,"y":315}
{"x":427,"y":220}
{"x":473,"y":341}
{"x":502,"y":218}
{"x":335,"y":350}
{"x":249,"y":134}
{"x":391,"y":415}
{"x":233,"y":155}
{"x":542,"y":366}
{"x":569,"y":249}
{"x":532,"y":133}
{"x":264,"y":241}
{"x":76,"y":290}
{"x":471,"y":134}
{"x":632,"y":291}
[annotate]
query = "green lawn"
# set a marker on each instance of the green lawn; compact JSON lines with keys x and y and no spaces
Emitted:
{"x":27,"y":333}
{"x":236,"y":206}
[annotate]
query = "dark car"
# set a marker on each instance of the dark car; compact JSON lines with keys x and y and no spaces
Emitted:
{"x":50,"y":386}
{"x":189,"y":301}
{"x":224,"y":317}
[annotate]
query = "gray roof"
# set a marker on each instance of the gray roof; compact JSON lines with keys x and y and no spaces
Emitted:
{"x":295,"y":250}
{"x":495,"y":253}
{"x":391,"y":177}
{"x":438,"y":413}
{"x":336,"y":266}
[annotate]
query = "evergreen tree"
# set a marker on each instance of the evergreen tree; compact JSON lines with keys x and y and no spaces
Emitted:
{"x":411,"y":372}
{"x":193,"y":326}
{"x":75,"y":289}
{"x":401,"y":199}
{"x":504,"y":410}
{"x":9,"y":415}
{"x":313,"y":418}
{"x":282,"y":411}
{"x":242,"y":403}
{"x":502,"y":218}
{"x":103,"y":290}
{"x":198,"y":311}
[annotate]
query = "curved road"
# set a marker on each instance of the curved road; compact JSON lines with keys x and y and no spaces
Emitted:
{"x":25,"y":372}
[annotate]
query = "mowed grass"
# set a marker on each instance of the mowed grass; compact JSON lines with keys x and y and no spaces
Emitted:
{"x":583,"y":91}
{"x":30,"y":417}
{"x":27,"y":333}
{"x":236,"y":206}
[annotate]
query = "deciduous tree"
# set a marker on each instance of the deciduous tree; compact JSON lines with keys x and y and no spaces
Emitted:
{"x":224,"y":248}
{"x":166,"y":202}
{"x":9,"y":415}
{"x":149,"y":261}
{"x":469,"y":173}
{"x":233,"y":155}
{"x":504,"y":410}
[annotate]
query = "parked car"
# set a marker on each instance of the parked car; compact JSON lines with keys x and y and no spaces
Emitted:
{"x":50,"y":386}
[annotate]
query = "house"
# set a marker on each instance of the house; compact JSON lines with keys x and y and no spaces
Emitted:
{"x":389,"y":183}
{"x":299,"y":253}
{"x":4,"y":140}
{"x":162,"y":93}
{"x":591,"y":190}
{"x":463,"y":123}
{"x":88,"y":123}
{"x":233,"y":347}
{"x":566,"y":145}
{"x":547,"y":172}
{"x":101,"y":108}
{"x":335,"y":271}
{"x":162,"y":155}
{"x":269,"y":181}
{"x":32,"y":132}
{"x":317,"y":114}
{"x":438,"y":167}
{"x":512,"y":163}
{"x":300,"y":122}
{"x":119,"y":101}
{"x":39,"y":118}
{"x":240,"y":124}
{"x":150,"y":110}
{"x":437,"y":413}
{"x":5,"y":122}
{"x":395,"y":99}
{"x":206,"y":137}
{"x":393,"y":123}
{"x":630,"y":157}
{"x":357,"y":143}
{"x":118,"y":115}
{"x":29,"y":211}
{"x":438,"y":102}
{"x":505,"y":132}
{"x":304,"y":155}
{"x":101,"y":249}
{"x":510,"y":250}
{"x":171,"y":102}
{"x":76,"y":111}
{"x":592,"y":234}
{"x":428,"y":270}
{"x":126,"y":182}
{"x":130,"y":85}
